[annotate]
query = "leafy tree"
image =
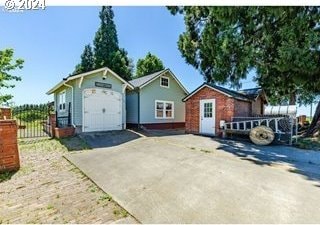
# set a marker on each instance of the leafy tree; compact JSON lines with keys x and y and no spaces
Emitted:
{"x":7,"y":65}
{"x":122,"y":64}
{"x":149,"y":64}
{"x":281,"y":43}
{"x":106,"y":48}
{"x":87,"y":61}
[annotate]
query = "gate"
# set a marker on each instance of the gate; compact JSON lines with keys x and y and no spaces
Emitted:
{"x":31,"y":119}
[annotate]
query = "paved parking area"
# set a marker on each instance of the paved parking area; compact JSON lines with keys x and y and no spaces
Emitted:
{"x":193,"y":179}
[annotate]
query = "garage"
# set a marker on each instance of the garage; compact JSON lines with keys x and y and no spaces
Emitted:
{"x":102,"y":110}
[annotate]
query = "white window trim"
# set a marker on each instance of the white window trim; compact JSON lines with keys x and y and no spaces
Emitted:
{"x":60,"y":102}
{"x":161,"y":82}
{"x":164,"y":109}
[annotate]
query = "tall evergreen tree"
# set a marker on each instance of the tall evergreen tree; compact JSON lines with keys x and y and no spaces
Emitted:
{"x":106,"y":49}
{"x":150,"y":64}
{"x":280,"y":43}
{"x":106,"y":39}
{"x":87,"y":61}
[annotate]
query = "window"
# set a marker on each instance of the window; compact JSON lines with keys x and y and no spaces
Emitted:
{"x":207,"y":110}
{"x":164,"y":82}
{"x":62,"y":101}
{"x":164,"y":110}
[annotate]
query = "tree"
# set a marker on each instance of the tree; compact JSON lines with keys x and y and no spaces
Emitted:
{"x":7,"y":65}
{"x":122,"y":64}
{"x":106,"y":49}
{"x":149,"y":64}
{"x":281,"y":43}
{"x":87,"y":61}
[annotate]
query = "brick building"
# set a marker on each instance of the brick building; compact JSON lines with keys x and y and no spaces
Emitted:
{"x":209,"y":104}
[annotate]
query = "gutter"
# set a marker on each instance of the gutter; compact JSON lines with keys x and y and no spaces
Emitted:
{"x":138,"y":108}
{"x":72,"y":110}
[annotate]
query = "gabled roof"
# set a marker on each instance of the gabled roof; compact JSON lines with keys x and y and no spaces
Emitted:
{"x":243,"y":95}
{"x":252,"y":93}
{"x":81,"y":75}
{"x":145,"y":80}
{"x":142,"y":80}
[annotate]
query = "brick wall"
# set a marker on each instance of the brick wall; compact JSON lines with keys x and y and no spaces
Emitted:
{"x":49,"y":127}
{"x":224,"y":109}
{"x":64,"y":132}
{"x":5,"y":113}
{"x":9,"y":155}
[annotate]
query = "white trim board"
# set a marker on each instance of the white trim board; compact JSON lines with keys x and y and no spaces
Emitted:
{"x":104,"y":70}
{"x":161,"y":74}
{"x":164,"y":110}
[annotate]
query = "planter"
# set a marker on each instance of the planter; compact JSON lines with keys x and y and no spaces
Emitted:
{"x":64,"y":132}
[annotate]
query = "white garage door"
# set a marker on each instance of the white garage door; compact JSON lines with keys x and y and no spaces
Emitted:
{"x":102,"y":110}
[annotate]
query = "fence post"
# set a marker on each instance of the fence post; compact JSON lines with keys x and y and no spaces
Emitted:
{"x":9,"y":157}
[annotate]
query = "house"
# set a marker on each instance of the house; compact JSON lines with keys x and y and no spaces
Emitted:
{"x":156,"y":101}
{"x":101,"y":100}
{"x":209,"y":104}
{"x":91,"y":101}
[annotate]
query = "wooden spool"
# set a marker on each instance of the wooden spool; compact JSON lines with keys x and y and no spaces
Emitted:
{"x":261,"y":135}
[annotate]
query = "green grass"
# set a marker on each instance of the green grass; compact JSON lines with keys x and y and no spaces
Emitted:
{"x":49,"y":144}
{"x":74,"y":143}
{"x":309,"y":143}
{"x":93,"y":188}
{"x":41,"y":145}
{"x":105,"y":197}
{"x":50,"y":207}
{"x":120,"y":212}
{"x":4,"y":176}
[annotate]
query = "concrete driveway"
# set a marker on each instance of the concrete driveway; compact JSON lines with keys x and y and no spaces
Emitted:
{"x":193,"y":179}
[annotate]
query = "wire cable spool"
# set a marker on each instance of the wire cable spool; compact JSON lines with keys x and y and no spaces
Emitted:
{"x":261,"y":135}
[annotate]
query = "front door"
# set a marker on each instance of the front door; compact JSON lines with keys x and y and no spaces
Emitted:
{"x":207,"y":116}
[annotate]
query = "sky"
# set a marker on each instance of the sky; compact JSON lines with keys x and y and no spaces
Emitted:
{"x":52,"y":40}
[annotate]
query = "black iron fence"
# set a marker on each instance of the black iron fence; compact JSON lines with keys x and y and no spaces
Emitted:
{"x":31,"y":119}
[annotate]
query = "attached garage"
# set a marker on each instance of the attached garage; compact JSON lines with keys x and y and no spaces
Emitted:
{"x":92,"y":101}
{"x":102,"y":110}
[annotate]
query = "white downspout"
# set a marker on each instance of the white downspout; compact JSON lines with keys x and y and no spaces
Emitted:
{"x":72,"y":119}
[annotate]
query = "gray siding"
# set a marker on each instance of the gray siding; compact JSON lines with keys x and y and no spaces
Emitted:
{"x":132,"y":106}
{"x":89,"y":82}
{"x":154,"y":91}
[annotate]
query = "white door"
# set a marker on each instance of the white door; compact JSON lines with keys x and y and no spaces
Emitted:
{"x":207,"y":116}
{"x":102,"y":110}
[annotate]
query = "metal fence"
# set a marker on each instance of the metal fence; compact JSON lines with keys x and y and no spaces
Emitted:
{"x":31,"y":119}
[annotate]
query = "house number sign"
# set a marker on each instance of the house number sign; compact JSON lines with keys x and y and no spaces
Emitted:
{"x":103,"y":85}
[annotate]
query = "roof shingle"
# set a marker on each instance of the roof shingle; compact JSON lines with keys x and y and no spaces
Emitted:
{"x":138,"y":82}
{"x":245,"y":95}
